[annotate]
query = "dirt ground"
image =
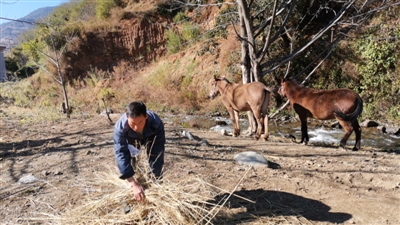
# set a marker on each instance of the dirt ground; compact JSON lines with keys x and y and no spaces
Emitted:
{"x":303,"y":185}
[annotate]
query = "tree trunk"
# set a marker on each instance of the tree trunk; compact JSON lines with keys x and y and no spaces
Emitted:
{"x":67,"y":109}
{"x":254,"y":66}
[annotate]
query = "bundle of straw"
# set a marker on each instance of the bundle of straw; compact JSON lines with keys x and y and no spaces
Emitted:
{"x":166,"y":202}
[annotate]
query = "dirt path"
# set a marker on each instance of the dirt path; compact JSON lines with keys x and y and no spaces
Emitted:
{"x":308,"y":184}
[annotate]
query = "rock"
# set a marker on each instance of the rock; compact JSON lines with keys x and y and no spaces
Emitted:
{"x":335,"y":124}
{"x":223,"y":132}
{"x":221,"y":123}
{"x":187,"y":135}
{"x":369,"y":123}
{"x":204,"y":143}
{"x":290,"y":136}
{"x":251,"y":159}
{"x":381,"y":129}
{"x":26,"y":179}
{"x":4,"y":153}
{"x":58,"y":173}
{"x":393,"y":130}
{"x":285,"y":118}
{"x":108,"y":111}
{"x":45,"y":172}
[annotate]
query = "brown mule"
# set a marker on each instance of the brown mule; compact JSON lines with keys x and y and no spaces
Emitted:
{"x":343,"y":104}
{"x":253,"y":97}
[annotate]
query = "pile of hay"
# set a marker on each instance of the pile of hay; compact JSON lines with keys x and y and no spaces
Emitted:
{"x":110,"y":201}
{"x":166,"y":203}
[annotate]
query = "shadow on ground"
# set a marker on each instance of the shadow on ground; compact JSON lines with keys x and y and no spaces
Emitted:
{"x":273,"y":204}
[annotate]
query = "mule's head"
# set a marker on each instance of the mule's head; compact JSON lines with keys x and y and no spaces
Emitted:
{"x":214,"y":88}
{"x":216,"y":83}
{"x":282,"y":89}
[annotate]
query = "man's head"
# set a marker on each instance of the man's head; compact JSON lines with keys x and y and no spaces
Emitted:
{"x":137,"y":115}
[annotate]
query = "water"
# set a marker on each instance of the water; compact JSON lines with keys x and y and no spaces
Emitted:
{"x":318,"y":135}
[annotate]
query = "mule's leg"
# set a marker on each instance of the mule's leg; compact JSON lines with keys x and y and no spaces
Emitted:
{"x":232,"y":114}
{"x":357,"y":130}
{"x":304,"y":133}
{"x":266,"y":134}
{"x":348,"y":129}
{"x":236,"y":127}
{"x":252,"y":123}
{"x":264,"y":110}
{"x":260,"y":122}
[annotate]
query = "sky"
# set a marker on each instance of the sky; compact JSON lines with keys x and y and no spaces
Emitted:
{"x":15,"y":9}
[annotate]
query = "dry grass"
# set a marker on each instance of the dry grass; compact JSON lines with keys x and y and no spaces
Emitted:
{"x":166,"y":203}
{"x":108,"y":198}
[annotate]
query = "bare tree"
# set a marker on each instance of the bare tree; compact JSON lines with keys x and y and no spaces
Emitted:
{"x":56,"y":46}
{"x":269,"y":27}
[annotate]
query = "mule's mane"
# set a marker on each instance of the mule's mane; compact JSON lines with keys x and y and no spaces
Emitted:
{"x":295,"y":82}
{"x":222,"y":79}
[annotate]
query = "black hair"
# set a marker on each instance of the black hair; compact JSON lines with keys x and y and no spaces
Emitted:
{"x":135,"y":109}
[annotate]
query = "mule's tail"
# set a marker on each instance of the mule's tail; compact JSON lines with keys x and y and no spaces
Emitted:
{"x":353,"y":116}
{"x":274,"y":92}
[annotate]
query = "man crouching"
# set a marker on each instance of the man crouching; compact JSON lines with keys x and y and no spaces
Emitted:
{"x":138,"y":127}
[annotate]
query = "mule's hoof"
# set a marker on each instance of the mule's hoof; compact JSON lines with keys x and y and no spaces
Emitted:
{"x":355,"y":149}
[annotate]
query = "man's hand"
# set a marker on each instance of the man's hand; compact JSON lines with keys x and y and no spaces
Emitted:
{"x":137,"y":189}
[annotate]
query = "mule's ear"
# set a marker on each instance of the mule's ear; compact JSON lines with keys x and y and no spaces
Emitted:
{"x":282,"y":80}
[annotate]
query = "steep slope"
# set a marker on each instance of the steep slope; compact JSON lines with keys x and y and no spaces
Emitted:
{"x":137,"y":41}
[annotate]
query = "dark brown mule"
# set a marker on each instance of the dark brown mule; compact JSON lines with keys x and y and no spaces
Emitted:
{"x":343,"y":104}
{"x":244,"y":97}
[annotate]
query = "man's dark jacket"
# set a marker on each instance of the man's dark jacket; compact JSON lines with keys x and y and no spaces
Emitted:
{"x":153,"y":142}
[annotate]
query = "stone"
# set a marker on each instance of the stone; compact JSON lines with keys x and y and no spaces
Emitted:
{"x":26,"y":179}
{"x":251,"y":159}
{"x":381,"y":129}
{"x":187,"y":135}
{"x":369,"y":123}
{"x":393,"y":130}
{"x":223,"y":132}
{"x":4,"y":153}
{"x":204,"y":143}
{"x":221,"y":123}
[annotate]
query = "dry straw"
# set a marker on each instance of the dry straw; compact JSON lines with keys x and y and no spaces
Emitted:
{"x":109,"y":198}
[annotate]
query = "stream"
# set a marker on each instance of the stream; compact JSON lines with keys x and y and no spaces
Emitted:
{"x":319,"y":135}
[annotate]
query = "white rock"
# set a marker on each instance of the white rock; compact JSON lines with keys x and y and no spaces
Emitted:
{"x":26,"y":179}
{"x":251,"y":159}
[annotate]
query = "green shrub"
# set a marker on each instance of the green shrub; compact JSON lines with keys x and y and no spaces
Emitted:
{"x":174,"y":41}
{"x":103,"y":8}
{"x":378,"y":80}
{"x":180,"y":17}
{"x":159,"y":77}
{"x":106,"y":93}
{"x":190,"y":32}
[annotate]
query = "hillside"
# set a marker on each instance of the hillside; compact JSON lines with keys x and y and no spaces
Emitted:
{"x":10,"y":31}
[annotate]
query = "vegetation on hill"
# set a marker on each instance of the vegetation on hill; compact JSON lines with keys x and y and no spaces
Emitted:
{"x":198,"y":45}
